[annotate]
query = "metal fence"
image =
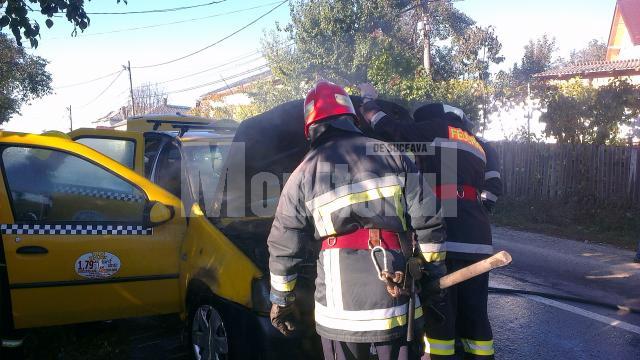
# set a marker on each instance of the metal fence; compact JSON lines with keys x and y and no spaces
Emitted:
{"x":568,"y":171}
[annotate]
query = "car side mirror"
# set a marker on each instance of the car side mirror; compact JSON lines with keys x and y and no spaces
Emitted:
{"x":158,"y":213}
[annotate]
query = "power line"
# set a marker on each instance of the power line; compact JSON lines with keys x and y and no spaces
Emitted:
{"x":232,"y":61}
{"x":136,"y":12}
{"x":166,"y":81}
{"x":234,"y":76}
{"x":214,"y":67}
{"x":246,"y":72}
{"x":216,"y":42}
{"x":105,"y":90}
{"x":156,"y":10}
{"x":88,"y":81}
{"x":175,"y":22}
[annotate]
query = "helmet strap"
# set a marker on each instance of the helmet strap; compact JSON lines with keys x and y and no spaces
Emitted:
{"x":344,"y":123}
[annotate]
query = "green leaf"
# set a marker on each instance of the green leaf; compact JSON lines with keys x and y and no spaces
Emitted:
{"x":24,"y":74}
{"x":17,"y":16}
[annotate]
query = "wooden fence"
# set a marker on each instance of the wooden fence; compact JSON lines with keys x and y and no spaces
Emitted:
{"x":564,"y":171}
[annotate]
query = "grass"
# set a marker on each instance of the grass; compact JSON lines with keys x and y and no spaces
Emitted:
{"x":578,"y":220}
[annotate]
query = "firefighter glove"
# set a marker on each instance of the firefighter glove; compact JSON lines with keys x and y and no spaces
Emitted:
{"x":369,"y":110}
{"x":368,"y":92}
{"x":488,"y":204}
{"x":285,"y":318}
{"x":430,"y":291}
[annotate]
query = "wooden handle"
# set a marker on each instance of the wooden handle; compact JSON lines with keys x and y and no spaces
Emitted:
{"x":498,"y":260}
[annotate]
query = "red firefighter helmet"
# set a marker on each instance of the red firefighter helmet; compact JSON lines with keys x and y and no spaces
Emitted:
{"x":326,"y":100}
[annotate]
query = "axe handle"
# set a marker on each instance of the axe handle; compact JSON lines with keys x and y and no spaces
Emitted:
{"x":498,"y":260}
{"x":411,"y":313}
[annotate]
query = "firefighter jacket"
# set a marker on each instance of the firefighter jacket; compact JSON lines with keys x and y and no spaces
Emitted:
{"x":348,"y":182}
{"x":459,"y":162}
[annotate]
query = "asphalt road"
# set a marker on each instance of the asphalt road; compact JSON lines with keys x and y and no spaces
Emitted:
{"x":531,"y":327}
{"x":525,"y":327}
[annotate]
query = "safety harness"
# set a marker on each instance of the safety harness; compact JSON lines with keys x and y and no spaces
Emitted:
{"x":377,"y":241}
{"x":454,"y":191}
{"x":398,"y":283}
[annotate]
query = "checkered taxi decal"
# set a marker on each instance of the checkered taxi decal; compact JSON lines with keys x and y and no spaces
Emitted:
{"x":98,"y":193}
{"x":37,"y":229}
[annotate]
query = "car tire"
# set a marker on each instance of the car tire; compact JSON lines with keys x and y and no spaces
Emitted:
{"x":206,"y":332}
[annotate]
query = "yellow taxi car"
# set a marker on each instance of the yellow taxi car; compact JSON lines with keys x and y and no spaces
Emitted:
{"x":116,"y":224}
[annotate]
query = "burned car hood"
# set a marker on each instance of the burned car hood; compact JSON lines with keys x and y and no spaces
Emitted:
{"x":267,"y":147}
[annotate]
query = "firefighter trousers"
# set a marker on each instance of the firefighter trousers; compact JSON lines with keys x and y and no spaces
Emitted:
{"x":397,"y":349}
{"x":465,"y":310}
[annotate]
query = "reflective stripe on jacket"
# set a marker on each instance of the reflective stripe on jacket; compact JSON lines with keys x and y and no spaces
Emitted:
{"x":338,"y":189}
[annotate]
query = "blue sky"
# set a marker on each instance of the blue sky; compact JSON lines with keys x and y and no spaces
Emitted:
{"x":572,"y":22}
{"x":90,"y":55}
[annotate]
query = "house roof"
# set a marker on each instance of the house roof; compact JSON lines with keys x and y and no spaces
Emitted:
{"x":168,"y":109}
{"x":630,"y":10}
{"x":118,"y":117}
{"x":593,"y":69}
{"x":112,"y":117}
{"x":242,"y":82}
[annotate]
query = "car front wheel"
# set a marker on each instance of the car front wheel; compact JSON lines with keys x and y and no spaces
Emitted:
{"x":208,"y":334}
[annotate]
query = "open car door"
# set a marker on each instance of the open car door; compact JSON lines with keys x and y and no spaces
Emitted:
{"x":84,"y":237}
{"x":126,"y":147}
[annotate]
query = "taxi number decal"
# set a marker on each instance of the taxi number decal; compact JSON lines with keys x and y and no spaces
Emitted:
{"x":97,"y":265}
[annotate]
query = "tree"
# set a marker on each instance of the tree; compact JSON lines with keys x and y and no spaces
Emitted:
{"x":16,"y":16}
{"x":573,"y":111}
{"x":23,"y":77}
{"x":537,"y":58}
{"x":336,"y":39}
{"x":582,"y":114}
{"x":594,"y":51}
{"x":353,"y":41}
{"x":470,"y":54}
{"x":146,"y":97}
{"x":471,"y":95}
{"x":515,"y":88}
{"x":213,"y":106}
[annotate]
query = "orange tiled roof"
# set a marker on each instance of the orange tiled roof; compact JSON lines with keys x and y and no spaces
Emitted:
{"x":593,"y":69}
{"x":630,"y":10}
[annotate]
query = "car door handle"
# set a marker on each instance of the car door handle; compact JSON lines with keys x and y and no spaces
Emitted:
{"x":30,"y":250}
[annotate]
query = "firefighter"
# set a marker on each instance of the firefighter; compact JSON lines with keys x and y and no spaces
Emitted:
{"x":360,"y":207}
{"x":467,"y":181}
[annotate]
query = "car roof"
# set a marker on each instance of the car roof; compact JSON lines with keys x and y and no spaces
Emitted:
{"x":199,"y":135}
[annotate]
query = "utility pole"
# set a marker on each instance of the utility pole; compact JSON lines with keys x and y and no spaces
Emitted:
{"x":427,"y":46}
{"x":426,"y":57}
{"x":70,"y":118}
{"x":529,"y":114}
{"x":225,"y":84}
{"x":133,"y":106}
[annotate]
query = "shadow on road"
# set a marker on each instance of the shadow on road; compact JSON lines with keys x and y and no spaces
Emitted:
{"x":141,"y":338}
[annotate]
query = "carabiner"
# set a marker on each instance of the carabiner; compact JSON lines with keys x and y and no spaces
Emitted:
{"x":375,"y":261}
